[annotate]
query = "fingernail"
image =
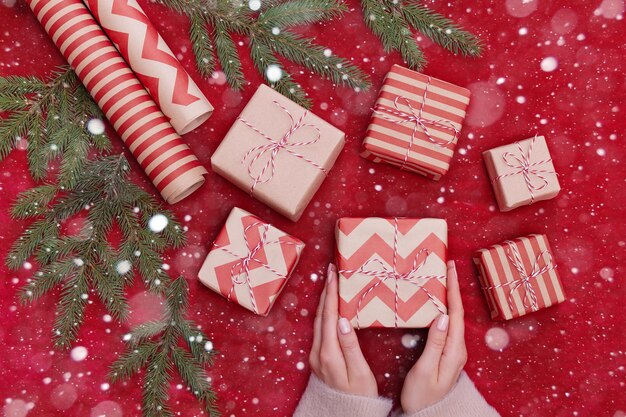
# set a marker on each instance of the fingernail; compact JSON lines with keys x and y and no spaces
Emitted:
{"x":451,"y":265}
{"x":442,"y":323}
{"x":344,"y":325}
{"x":331,"y":272}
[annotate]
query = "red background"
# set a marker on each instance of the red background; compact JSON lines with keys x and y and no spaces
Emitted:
{"x":564,"y":361}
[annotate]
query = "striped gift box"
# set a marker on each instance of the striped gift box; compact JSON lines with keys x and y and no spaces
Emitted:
{"x":519,"y":276}
{"x":416,"y":122}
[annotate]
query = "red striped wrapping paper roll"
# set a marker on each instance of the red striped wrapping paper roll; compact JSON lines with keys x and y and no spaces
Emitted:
{"x":166,"y":159}
{"x":152,"y":61}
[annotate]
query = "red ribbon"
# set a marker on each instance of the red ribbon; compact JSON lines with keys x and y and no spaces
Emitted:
{"x":386,"y":273}
{"x":275,"y":146}
{"x":417,"y":119}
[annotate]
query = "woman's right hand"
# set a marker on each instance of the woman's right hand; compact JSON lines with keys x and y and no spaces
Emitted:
{"x":336,"y":356}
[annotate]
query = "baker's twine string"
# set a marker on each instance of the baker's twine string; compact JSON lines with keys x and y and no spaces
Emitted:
{"x":240,"y":271}
{"x":529,"y":300}
{"x":521,"y":163}
{"x":386,"y":273}
{"x":416,"y":117}
{"x":254,"y":155}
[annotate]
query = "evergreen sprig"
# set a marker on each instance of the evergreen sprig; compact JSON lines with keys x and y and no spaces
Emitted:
{"x":51,"y":115}
{"x":157,"y":348}
{"x":271,"y":38}
{"x":393,"y":21}
{"x":86,"y":262}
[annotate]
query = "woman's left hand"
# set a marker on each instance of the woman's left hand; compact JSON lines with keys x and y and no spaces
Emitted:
{"x":336,"y":356}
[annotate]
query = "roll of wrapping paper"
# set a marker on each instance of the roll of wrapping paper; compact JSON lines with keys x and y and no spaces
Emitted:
{"x":166,"y":159}
{"x":152,"y":61}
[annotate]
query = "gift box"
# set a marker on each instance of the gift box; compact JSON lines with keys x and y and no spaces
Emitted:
{"x":392,"y":271}
{"x":416,"y":122}
{"x":519,"y":276}
{"x":522,"y":173}
{"x":278,"y":152}
{"x":250,"y":261}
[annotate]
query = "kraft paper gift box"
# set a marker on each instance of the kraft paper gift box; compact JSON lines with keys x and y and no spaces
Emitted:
{"x":522,"y":173}
{"x":250,"y":261}
{"x":278,"y":152}
{"x":392,"y":271}
{"x":519,"y":276}
{"x":416,"y":122}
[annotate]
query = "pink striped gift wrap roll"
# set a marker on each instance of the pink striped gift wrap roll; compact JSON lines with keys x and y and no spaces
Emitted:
{"x":166,"y":159}
{"x":152,"y":61}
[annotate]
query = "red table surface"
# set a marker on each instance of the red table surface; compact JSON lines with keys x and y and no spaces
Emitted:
{"x":568,"y":360}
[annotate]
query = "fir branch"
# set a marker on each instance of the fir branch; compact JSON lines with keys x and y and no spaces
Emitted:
{"x":110,"y":201}
{"x":49,"y":117}
{"x":393,"y":21}
{"x":227,"y":55}
{"x":268,"y":31}
{"x":442,"y":30}
{"x":201,"y":45}
{"x":156,"y":347}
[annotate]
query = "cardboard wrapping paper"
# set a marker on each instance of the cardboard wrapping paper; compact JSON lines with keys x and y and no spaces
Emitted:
{"x":519,"y":276}
{"x":278,"y":152}
{"x":522,"y":173}
{"x":416,"y":122}
{"x":165,"y":158}
{"x":250,"y":261}
{"x":392,"y":271}
{"x":153,"y":62}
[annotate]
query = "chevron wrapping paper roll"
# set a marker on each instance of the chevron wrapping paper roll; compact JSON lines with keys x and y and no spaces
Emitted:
{"x":165,"y":158}
{"x":153,"y":62}
{"x":392,"y":271}
{"x":250,"y":262}
{"x":416,"y":122}
{"x":519,"y":276}
{"x":522,"y":173}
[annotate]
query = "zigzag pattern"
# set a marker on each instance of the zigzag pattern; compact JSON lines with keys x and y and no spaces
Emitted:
{"x":151,"y":59}
{"x":222,"y":269}
{"x":361,"y":241}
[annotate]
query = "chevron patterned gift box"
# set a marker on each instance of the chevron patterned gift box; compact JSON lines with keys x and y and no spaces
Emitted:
{"x":392,"y":271}
{"x":519,"y":276}
{"x":416,"y":122}
{"x":250,"y":261}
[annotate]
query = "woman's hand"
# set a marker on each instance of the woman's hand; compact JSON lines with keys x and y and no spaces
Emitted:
{"x":437,"y":370}
{"x":336,"y":356}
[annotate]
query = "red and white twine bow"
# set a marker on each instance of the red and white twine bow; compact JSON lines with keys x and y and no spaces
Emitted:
{"x":416,"y":117}
{"x":273,"y":147}
{"x":529,"y":300}
{"x":522,"y":165}
{"x":240,"y":271}
{"x":385,"y":273}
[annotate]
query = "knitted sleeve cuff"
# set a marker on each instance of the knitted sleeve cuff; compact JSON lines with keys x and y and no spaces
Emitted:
{"x":321,"y":400}
{"x":464,"y":400}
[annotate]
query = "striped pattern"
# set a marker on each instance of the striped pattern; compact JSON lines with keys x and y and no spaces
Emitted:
{"x":153,"y":62}
{"x":363,"y":240}
{"x":165,"y":158}
{"x":387,"y":141}
{"x":495,"y":269}
{"x":268,"y":271}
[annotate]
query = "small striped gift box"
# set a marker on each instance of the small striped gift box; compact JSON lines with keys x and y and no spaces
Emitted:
{"x":519,"y":276}
{"x":416,"y":122}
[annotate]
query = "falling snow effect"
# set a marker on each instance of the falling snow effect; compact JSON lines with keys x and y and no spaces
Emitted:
{"x":569,"y":359}
{"x":157,"y":223}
